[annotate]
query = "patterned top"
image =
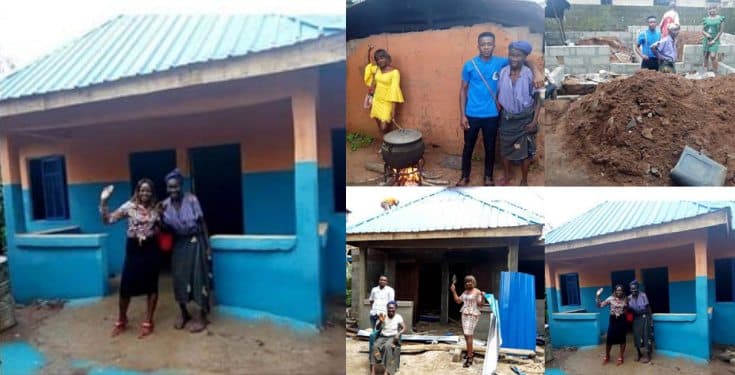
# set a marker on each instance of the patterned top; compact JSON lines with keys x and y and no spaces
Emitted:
{"x":469,"y":303}
{"x":185,"y":220}
{"x":142,"y":221}
{"x":617,"y":306}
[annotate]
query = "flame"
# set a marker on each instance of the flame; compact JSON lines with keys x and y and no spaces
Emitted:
{"x":407,"y":176}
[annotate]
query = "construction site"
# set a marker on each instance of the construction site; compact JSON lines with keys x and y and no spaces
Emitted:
{"x":610,"y":123}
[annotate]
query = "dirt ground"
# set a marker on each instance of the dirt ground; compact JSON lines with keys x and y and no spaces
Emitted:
{"x":442,"y":165}
{"x":228,"y":346}
{"x":632,"y":131}
{"x":430,"y":362}
{"x":589,"y":361}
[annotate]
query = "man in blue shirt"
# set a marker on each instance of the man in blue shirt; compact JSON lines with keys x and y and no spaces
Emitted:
{"x":646,"y":38}
{"x":478,"y":105}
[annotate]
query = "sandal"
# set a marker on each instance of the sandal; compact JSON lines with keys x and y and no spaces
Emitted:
{"x":468,"y":362}
{"x":620,"y":361}
{"x":606,"y":360}
{"x":120,"y":327}
{"x":146,"y":328}
{"x":463,"y":181}
{"x":181,"y":322}
{"x":489,"y":181}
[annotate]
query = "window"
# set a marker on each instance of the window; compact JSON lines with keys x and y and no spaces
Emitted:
{"x":339,"y":169}
{"x":569,"y":285}
{"x":725,"y":280}
{"x":48,"y":188}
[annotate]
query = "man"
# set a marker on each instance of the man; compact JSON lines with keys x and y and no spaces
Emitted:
{"x":479,"y":107}
{"x":665,"y":50}
{"x":671,"y":16}
{"x":379,"y":298}
{"x":386,"y":349}
{"x":643,"y":46}
{"x":642,"y":321}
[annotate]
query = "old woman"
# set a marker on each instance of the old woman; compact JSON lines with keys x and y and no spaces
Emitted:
{"x":642,"y":321}
{"x":387,"y":347}
{"x":520,"y":110}
{"x":183,"y":216}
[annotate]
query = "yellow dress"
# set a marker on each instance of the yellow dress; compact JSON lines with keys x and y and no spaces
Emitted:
{"x":387,"y":91}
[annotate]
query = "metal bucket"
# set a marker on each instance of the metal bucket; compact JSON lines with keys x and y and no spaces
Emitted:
{"x":7,"y":306}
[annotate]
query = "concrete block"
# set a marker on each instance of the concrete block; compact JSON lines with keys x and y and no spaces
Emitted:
{"x":599,"y":60}
{"x":557,"y":51}
{"x":680,"y":67}
{"x":725,"y":69}
{"x":624,"y":68}
{"x":586,"y":50}
{"x":574,"y":60}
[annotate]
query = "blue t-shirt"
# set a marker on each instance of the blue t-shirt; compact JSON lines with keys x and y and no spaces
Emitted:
{"x":479,"y":101}
{"x":646,"y":38}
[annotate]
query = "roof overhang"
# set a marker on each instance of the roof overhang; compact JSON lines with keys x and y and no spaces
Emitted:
{"x":709,"y":220}
{"x":519,"y":231}
{"x":322,"y":51}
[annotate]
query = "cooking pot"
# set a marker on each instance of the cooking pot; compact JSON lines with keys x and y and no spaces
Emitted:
{"x":402,"y":148}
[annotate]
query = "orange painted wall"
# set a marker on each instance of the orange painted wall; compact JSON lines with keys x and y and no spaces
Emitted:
{"x":430,"y":63}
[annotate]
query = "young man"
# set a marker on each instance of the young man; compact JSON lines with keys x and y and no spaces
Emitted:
{"x":665,"y":50}
{"x":379,"y":298}
{"x":519,"y":116}
{"x":643,"y":46}
{"x":478,"y":105}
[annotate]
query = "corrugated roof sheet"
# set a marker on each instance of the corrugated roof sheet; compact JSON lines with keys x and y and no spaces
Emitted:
{"x":619,"y":216}
{"x":136,"y":45}
{"x":448,"y":209}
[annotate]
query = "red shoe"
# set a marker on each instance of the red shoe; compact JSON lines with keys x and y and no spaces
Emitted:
{"x":605,"y":360}
{"x":146,"y":328}
{"x":620,"y":361}
{"x":120,"y":327}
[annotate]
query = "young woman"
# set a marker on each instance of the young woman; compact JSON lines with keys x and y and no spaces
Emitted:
{"x":182,"y":216}
{"x":142,"y":254}
{"x":384,"y":81}
{"x":471,"y":301}
{"x":617,"y":327}
{"x":714,"y":24}
{"x":519,"y":115}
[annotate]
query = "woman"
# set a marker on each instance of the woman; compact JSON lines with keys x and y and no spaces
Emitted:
{"x":387,"y":347}
{"x":617,"y":327}
{"x":142,"y":255}
{"x":520,"y":110}
{"x":182,"y":216}
{"x":671,"y":16}
{"x":386,"y":81}
{"x":714,"y":24}
{"x":471,"y":301}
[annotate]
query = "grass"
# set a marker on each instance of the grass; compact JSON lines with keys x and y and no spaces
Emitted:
{"x":358,"y":140}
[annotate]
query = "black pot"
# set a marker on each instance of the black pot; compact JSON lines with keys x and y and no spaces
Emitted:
{"x":402,"y":148}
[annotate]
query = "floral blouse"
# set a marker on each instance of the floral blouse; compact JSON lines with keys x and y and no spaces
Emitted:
{"x":142,"y":221}
{"x":617,"y":306}
{"x":470,"y":303}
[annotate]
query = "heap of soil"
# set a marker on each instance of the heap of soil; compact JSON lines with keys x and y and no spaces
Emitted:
{"x":685,"y":38}
{"x":619,"y":53}
{"x":632,"y":131}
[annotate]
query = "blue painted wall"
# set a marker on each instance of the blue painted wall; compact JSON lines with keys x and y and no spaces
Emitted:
{"x":575,"y":329}
{"x":723,"y":323}
{"x":276,"y":215}
{"x":682,"y":297}
{"x":66,"y":267}
{"x":669,"y":333}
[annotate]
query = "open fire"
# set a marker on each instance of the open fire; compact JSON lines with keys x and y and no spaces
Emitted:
{"x":408,"y":177}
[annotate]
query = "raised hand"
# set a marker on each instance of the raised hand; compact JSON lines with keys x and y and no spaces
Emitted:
{"x":106,"y":193}
{"x":599,"y":291}
{"x":453,"y":289}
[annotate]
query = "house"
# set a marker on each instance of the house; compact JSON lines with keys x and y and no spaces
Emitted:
{"x":429,"y":41}
{"x":682,"y":253}
{"x":249,"y":107}
{"x":421,"y":244}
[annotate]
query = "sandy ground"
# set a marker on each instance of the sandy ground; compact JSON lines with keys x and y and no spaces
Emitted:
{"x":436,"y":168}
{"x":228,"y":346}
{"x":589,"y":361}
{"x":565,"y":170}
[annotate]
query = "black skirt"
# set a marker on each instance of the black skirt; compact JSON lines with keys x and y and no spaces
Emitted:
{"x":140,"y":271}
{"x":616,"y":330}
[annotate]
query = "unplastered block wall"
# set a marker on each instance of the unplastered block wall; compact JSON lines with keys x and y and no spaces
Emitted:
{"x":578,"y":59}
{"x":694,"y":55}
{"x":430,"y":63}
{"x":582,"y":17}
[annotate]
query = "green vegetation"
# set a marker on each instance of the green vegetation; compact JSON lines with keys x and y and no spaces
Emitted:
{"x":359,"y":140}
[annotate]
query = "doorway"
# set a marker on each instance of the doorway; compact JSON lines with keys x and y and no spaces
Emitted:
{"x":154,"y":165}
{"x":656,"y":282}
{"x":217,"y":182}
{"x":623,"y":278}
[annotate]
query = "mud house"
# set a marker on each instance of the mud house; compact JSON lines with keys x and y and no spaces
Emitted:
{"x":429,"y":41}
{"x":419,"y":245}
{"x":683,"y":253}
{"x":250,"y":108}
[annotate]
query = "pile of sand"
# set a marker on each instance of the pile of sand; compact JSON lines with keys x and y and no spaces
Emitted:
{"x":619,"y":53}
{"x":632,"y":131}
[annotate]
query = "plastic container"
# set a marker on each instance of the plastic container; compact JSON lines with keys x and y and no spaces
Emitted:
{"x":695,"y":169}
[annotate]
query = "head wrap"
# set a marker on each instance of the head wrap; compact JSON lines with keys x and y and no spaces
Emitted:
{"x":391,"y":303}
{"x":673,"y":26}
{"x":634,"y":282}
{"x":522,"y":46}
{"x":175,"y":174}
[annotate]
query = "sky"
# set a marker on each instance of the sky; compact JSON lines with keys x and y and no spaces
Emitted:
{"x":557,"y":205}
{"x":30,"y":29}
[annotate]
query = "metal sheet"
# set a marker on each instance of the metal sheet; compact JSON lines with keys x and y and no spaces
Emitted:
{"x":517,"y":311}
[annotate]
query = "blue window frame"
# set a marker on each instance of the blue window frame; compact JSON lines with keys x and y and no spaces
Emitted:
{"x":49,"y":196}
{"x":569,"y":286}
{"x":725,"y":280}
